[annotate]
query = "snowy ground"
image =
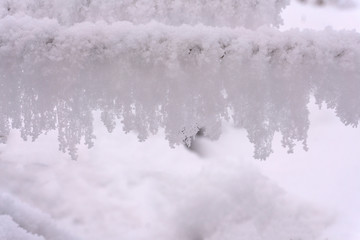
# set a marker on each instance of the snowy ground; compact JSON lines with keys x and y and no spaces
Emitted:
{"x":122,"y":189}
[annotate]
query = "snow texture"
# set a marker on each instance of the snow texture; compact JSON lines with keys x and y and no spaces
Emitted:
{"x":247,"y":13}
{"x":124,"y":194}
{"x":35,"y":225}
{"x":10,"y":230}
{"x":153,"y":65}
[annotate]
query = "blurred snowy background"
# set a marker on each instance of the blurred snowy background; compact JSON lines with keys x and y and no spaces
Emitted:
{"x":123,"y":189}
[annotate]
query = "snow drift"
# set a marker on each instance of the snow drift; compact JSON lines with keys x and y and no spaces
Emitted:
{"x":175,"y":197}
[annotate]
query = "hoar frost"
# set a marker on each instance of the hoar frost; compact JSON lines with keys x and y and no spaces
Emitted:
{"x":248,"y":13}
{"x":151,"y":73}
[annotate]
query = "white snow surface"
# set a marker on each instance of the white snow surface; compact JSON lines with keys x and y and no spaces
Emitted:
{"x":11,"y":230}
{"x":123,"y":188}
{"x":133,"y":193}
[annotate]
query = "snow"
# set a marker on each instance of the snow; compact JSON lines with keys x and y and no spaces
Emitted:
{"x":135,"y":194}
{"x":10,"y":230}
{"x":34,"y":223}
{"x":83,"y":69}
{"x":301,"y":16}
{"x":124,"y":188}
{"x":156,"y":76}
{"x":249,"y":13}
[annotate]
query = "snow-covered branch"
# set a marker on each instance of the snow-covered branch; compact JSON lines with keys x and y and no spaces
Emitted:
{"x":180,"y":78}
{"x":34,"y":40}
{"x":250,"y":13}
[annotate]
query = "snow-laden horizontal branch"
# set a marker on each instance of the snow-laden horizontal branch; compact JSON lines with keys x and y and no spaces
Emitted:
{"x":249,"y":13}
{"x":32,"y":39}
{"x":178,"y":78}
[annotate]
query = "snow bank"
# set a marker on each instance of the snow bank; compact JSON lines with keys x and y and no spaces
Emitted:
{"x":250,"y":13}
{"x":225,"y":204}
